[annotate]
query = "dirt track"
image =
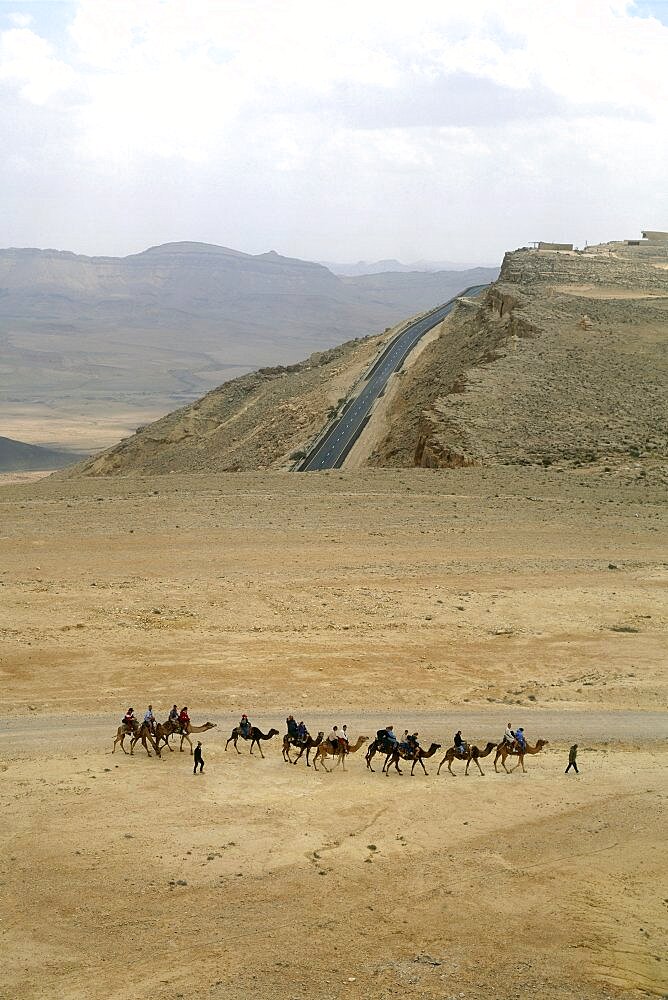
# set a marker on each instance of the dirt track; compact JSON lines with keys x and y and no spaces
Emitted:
{"x":605,"y":727}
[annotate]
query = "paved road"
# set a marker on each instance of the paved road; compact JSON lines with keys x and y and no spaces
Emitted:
{"x":331,"y":451}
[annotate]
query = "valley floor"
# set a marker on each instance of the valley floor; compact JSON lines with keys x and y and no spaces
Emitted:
{"x":437,"y":600}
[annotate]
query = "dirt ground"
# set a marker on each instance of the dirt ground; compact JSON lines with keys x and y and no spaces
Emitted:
{"x":427,"y":598}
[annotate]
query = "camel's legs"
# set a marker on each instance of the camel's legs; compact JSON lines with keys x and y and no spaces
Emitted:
{"x":477,"y":764}
{"x":450,"y":759}
{"x":440,"y":766}
{"x":418,"y":760}
{"x":389,"y":763}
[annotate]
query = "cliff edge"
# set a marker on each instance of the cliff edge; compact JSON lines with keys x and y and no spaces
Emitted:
{"x":561,"y":362}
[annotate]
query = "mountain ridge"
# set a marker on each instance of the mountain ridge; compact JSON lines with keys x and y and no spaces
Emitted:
{"x":117,"y":341}
{"x":559,"y":363}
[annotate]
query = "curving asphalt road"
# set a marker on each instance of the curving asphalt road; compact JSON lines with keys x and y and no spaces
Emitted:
{"x":330,"y":452}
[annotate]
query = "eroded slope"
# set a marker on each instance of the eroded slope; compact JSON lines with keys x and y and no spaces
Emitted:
{"x":563,"y":361}
{"x":262,"y":420}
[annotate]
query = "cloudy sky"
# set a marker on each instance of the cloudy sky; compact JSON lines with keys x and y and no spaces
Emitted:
{"x":337,"y":129}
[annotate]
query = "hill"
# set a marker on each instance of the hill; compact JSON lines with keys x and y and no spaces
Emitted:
{"x":96,"y":345}
{"x":563,"y":362}
{"x":17,"y":456}
{"x":516,"y":377}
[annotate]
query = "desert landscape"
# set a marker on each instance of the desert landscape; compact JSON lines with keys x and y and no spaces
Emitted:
{"x":492,"y":551}
{"x":333,"y":397}
{"x":435,"y":600}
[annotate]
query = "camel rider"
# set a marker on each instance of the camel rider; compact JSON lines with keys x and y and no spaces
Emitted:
{"x":521,"y":740}
{"x":412,"y":741}
{"x":302,"y":732}
{"x":184,"y":719}
{"x":333,"y":738}
{"x":129,"y":719}
{"x":404,"y":741}
{"x":391,"y":737}
{"x":509,"y":735}
{"x":344,"y":741}
{"x":292,"y":727}
{"x":174,"y":716}
{"x":460,"y":744}
{"x":149,"y":718}
{"x":244,"y":726}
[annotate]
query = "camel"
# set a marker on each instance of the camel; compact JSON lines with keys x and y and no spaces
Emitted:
{"x":473,"y":753}
{"x":121,"y":733}
{"x":374,"y":747}
{"x":139,"y":733}
{"x":417,"y":756}
{"x":164,"y":730}
{"x":308,"y":744}
{"x":325,"y":749}
{"x":255,"y":735}
{"x":504,"y":750}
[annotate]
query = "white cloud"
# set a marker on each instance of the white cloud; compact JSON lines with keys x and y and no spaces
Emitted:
{"x":280,"y":115}
{"x":20,"y":20}
{"x":28,"y":62}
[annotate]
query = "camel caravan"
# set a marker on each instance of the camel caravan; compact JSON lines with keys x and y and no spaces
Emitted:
{"x":386,"y":743}
{"x":152,"y":733}
{"x":335,"y":747}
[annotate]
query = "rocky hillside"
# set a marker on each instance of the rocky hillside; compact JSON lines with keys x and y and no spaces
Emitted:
{"x":562,"y":362}
{"x":261,"y":420}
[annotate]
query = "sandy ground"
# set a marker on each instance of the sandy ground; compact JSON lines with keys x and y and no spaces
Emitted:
{"x":427,"y":599}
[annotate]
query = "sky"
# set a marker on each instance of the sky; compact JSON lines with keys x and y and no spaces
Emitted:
{"x":336,"y":130}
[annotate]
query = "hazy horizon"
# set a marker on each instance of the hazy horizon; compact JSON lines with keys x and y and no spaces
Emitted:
{"x":341,"y":132}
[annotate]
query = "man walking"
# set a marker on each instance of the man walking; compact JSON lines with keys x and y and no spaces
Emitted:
{"x":572,"y":754}
{"x":199,"y":760}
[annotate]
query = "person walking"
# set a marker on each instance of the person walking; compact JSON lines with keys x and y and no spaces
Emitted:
{"x":572,"y":754}
{"x":199,"y":760}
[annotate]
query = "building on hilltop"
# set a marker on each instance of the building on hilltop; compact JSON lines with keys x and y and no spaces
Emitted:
{"x":651,"y":249}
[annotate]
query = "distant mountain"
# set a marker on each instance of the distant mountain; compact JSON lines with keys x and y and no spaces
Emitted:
{"x":137,"y":336}
{"x":17,"y":456}
{"x":381,"y":266}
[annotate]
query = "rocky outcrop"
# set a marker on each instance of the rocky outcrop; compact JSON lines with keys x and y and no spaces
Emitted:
{"x":518,"y":377}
